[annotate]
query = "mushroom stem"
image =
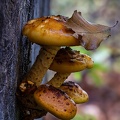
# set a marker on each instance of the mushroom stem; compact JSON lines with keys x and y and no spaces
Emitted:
{"x":58,"y":79}
{"x":41,"y":65}
{"x":33,"y":79}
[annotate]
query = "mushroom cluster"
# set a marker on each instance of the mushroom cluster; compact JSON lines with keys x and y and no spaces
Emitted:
{"x":56,"y":96}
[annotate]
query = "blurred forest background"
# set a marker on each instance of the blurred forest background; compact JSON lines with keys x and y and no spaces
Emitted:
{"x":102,"y":82}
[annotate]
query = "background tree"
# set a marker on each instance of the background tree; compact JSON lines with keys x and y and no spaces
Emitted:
{"x":16,"y":53}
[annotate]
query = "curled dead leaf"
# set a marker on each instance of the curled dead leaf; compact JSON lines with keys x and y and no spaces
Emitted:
{"x":92,"y":34}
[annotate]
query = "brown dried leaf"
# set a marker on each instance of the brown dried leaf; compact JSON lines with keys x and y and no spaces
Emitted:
{"x":92,"y":34}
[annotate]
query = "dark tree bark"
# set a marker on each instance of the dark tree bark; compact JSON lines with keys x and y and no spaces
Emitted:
{"x":15,"y":50}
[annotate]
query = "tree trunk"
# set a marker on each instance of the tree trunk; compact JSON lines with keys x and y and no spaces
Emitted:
{"x":16,"y":52}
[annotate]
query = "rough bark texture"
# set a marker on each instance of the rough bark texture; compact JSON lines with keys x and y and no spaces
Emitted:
{"x":16,"y":52}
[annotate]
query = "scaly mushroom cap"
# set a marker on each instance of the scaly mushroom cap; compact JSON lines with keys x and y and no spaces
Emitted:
{"x":55,"y":101}
{"x":68,"y":60}
{"x":75,"y":92}
{"x":50,"y":31}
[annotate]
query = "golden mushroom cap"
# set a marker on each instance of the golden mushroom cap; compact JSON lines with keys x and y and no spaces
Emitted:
{"x":75,"y":92}
{"x":55,"y":101}
{"x":49,"y":31}
{"x":68,"y":61}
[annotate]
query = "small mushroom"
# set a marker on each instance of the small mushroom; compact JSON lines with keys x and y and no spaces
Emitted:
{"x":51,"y":33}
{"x":55,"y":101}
{"x":75,"y":92}
{"x":67,"y":61}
